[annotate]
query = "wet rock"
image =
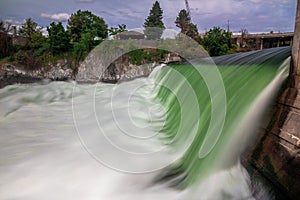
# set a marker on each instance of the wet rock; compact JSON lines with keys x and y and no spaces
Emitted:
{"x":15,"y":74}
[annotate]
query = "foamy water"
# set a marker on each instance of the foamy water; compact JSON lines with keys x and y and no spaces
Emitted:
{"x":67,"y":141}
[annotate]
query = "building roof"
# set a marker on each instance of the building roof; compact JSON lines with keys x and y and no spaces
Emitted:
{"x":129,"y":33}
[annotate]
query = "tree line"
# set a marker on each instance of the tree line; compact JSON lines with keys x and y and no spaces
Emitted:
{"x":86,"y":30}
{"x":216,"y":41}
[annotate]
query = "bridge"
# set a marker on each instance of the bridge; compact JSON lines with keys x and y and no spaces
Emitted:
{"x":263,"y":40}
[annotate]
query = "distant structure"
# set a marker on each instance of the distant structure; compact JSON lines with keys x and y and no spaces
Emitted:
{"x":263,"y":40}
{"x":17,"y":39}
{"x":188,"y":9}
{"x":134,"y":35}
{"x":228,"y":28}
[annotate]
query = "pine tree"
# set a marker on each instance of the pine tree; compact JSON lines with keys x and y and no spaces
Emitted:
{"x":154,"y":25}
{"x":29,"y":28}
{"x":183,"y":21}
{"x":32,"y":31}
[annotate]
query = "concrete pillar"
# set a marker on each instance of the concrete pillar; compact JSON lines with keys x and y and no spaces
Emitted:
{"x":257,"y":43}
{"x":277,"y":151}
{"x":296,"y":44}
{"x":261,"y":43}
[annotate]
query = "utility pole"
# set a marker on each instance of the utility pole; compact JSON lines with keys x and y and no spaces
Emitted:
{"x":228,"y":26}
{"x":188,"y":9}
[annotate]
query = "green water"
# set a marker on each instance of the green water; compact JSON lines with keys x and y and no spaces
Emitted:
{"x":184,"y":126}
{"x":211,"y":144}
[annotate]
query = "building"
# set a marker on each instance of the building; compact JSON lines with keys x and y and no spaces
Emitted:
{"x":130,"y":35}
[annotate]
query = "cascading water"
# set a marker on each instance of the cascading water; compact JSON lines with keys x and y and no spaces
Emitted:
{"x":169,"y":136}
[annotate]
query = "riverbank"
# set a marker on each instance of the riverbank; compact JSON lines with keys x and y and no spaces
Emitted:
{"x":14,"y":73}
{"x":122,"y":69}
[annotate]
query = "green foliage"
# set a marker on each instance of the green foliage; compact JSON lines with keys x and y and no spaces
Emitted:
{"x":142,"y":55}
{"x":28,"y":59}
{"x":7,"y":59}
{"x":20,"y":56}
{"x":46,"y":59}
{"x":217,"y":41}
{"x":83,"y":22}
{"x":37,"y":40}
{"x":136,"y":56}
{"x":30,"y":54}
{"x":193,"y":32}
{"x":87,"y":40}
{"x":59,"y":39}
{"x":234,"y":49}
{"x":82,"y":48}
{"x":31,"y":31}
{"x":154,"y":25}
{"x":86,"y":29}
{"x":79,"y":52}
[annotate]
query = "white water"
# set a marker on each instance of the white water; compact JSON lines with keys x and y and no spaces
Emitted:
{"x":43,"y":158}
{"x":58,"y":141}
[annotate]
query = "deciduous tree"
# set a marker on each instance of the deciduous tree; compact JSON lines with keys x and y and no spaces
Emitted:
{"x":83,"y":22}
{"x":217,"y":41}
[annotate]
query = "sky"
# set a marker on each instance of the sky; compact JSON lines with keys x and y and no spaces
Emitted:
{"x":254,"y":15}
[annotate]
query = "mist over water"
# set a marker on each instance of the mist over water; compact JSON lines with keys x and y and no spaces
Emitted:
{"x":101,"y":141}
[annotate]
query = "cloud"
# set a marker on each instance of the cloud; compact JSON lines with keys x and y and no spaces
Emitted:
{"x":255,"y":15}
{"x":256,"y":1}
{"x":14,"y":22}
{"x":84,"y":1}
{"x":60,"y":17}
{"x":44,"y":31}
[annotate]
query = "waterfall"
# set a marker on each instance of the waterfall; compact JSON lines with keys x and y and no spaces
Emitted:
{"x":177,"y":134}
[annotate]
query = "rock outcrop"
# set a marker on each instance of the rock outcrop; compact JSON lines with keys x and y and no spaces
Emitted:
{"x":13,"y":74}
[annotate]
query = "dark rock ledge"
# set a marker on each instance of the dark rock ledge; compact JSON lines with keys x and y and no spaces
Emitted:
{"x":16,"y":74}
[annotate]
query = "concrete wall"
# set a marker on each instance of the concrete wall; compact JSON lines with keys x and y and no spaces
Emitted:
{"x":277,"y":153}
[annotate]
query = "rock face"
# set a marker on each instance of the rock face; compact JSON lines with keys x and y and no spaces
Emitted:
{"x":131,"y":72}
{"x":95,"y":69}
{"x":11,"y":74}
